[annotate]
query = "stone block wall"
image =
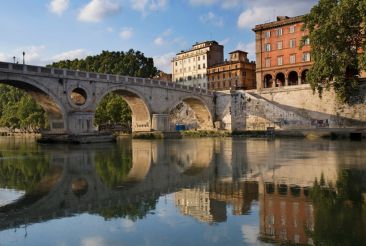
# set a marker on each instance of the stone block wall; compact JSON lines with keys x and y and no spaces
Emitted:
{"x":295,"y":107}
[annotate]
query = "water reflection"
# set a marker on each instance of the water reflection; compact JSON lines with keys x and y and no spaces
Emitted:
{"x":302,"y":189}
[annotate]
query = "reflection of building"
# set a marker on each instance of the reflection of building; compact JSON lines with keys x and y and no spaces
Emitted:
{"x":238,"y":73}
{"x":280,"y":61}
{"x":240,"y":195}
{"x":210,"y":206}
{"x":286,"y":213}
{"x":197,"y":203}
{"x":190,"y":67}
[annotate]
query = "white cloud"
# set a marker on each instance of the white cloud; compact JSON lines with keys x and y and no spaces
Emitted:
{"x":163,"y":62}
{"x":128,"y":225}
{"x":144,"y":6}
{"x":249,"y":47}
{"x":212,"y":19}
{"x":71,"y":55}
{"x":97,"y":10}
{"x":58,"y":6}
{"x":126,"y":33}
{"x":202,"y":2}
{"x":93,"y":241}
{"x":159,"y":41}
{"x":162,"y":39}
{"x":110,"y":29}
{"x":224,"y":41}
{"x":262,"y":11}
{"x":250,"y":234}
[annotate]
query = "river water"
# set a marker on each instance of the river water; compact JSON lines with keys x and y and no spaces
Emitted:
{"x":183,"y":192}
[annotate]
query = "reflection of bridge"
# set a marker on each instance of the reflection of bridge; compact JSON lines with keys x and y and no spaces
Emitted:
{"x":75,"y":185}
{"x":231,"y":171}
{"x":70,"y":97}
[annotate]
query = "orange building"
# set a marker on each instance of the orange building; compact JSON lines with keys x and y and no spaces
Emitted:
{"x":237,"y":73}
{"x":286,"y":215}
{"x":280,"y":60}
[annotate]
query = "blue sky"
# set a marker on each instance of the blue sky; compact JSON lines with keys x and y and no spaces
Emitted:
{"x":50,"y":30}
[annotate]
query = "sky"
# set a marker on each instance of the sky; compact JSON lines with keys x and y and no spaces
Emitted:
{"x":52,"y":30}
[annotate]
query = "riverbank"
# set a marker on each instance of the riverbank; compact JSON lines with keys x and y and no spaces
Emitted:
{"x":336,"y":133}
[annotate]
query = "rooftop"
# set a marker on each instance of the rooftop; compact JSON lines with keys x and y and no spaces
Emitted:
{"x":281,"y":21}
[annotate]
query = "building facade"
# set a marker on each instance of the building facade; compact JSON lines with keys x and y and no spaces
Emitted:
{"x":190,"y":67}
{"x":237,"y":73}
{"x":281,"y":61}
{"x":167,"y":77}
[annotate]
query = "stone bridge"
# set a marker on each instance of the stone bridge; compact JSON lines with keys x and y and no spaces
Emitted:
{"x":70,"y":98}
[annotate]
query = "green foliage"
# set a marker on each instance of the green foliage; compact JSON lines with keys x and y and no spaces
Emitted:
{"x":113,"y":109}
{"x":132,"y":211}
{"x":340,"y":215}
{"x":131,"y":63}
{"x":113,"y":167}
{"x":22,"y":172}
{"x":19,"y":110}
{"x":336,"y":32}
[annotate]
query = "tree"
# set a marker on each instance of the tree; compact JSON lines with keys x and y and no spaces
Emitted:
{"x":113,"y":109}
{"x":337,"y":34}
{"x":19,"y":110}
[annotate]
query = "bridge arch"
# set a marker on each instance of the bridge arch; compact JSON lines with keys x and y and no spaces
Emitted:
{"x":141,"y":111}
{"x":199,"y":106}
{"x":42,"y":95}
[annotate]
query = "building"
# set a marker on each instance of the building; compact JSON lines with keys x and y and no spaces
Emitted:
{"x":237,"y":73}
{"x":280,"y":60}
{"x":190,"y":67}
{"x":167,"y":77}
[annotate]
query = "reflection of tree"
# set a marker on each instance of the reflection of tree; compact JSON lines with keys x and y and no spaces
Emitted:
{"x":132,"y":211}
{"x":113,"y":166}
{"x":22,"y":172}
{"x":340,"y":217}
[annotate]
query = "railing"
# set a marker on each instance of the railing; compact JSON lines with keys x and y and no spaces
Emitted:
{"x":111,"y":78}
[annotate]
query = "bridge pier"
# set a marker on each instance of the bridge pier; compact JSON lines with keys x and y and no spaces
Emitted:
{"x":161,"y":122}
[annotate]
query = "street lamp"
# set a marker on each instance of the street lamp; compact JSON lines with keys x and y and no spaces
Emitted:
{"x":14,"y":59}
{"x":23,"y":58}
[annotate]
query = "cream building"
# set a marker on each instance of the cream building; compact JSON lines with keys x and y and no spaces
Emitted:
{"x":190,"y":67}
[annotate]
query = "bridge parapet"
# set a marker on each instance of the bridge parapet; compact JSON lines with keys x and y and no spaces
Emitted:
{"x":99,"y":77}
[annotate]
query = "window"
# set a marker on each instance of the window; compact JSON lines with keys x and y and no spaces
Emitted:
{"x":268,"y":34}
{"x":199,"y":66}
{"x":280,"y":60}
{"x":267,"y":47}
{"x":306,"y":57}
{"x":307,"y":41}
{"x":176,"y":63}
{"x":204,"y":65}
{"x":292,"y":43}
{"x":203,"y":57}
{"x":279,"y":45}
{"x":292,"y":29}
{"x":199,"y":58}
{"x":292,"y":59}
{"x":279,"y":32}
{"x":268,"y":62}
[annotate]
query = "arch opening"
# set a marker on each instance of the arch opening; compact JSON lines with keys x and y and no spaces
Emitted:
{"x":123,"y":110}
{"x":191,"y":113}
{"x":280,"y":80}
{"x":293,"y":78}
{"x":78,"y":96}
{"x":304,"y":75}
{"x":50,"y":115}
{"x":268,"y":81}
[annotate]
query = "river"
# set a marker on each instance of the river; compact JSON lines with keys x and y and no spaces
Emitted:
{"x":209,"y":191}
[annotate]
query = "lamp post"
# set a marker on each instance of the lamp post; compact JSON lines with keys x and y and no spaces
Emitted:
{"x":14,"y":59}
{"x":23,"y":58}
